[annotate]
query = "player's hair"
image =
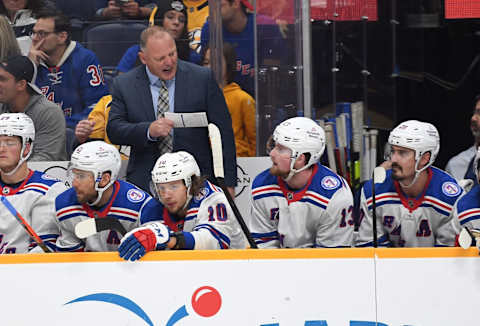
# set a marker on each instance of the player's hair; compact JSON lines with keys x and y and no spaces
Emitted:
{"x":34,"y":5}
{"x":8,"y":43}
{"x":62,"y":22}
{"x":197,"y":185}
{"x":477,"y":98}
{"x":149,"y":32}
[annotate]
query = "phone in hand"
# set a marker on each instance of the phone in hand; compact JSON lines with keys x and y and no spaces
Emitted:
{"x":120,"y":2}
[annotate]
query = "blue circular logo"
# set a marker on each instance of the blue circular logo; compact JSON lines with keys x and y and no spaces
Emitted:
{"x":450,"y":189}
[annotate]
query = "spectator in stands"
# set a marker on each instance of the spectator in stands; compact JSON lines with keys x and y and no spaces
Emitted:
{"x":238,"y":29}
{"x":240,"y":104}
{"x":172,"y":15}
{"x":461,"y":165}
{"x":124,"y":9}
{"x":163,"y":84}
{"x":18,"y":94}
{"x":197,"y":14}
{"x":68,"y":74}
{"x":95,"y":127}
{"x":8,"y":43}
{"x":21,"y":15}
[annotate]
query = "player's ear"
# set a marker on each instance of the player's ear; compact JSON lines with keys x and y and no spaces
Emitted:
{"x":424,"y":159}
{"x":105,"y":179}
{"x":28,"y":148}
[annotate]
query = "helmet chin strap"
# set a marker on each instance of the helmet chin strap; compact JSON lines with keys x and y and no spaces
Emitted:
{"x":294,"y":171}
{"x":189,"y":197}
{"x":417,"y":173}
{"x":100,"y":192}
{"x":20,"y":161}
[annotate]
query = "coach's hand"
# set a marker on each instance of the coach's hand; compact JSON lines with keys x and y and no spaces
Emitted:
{"x":160,"y":127}
{"x":136,"y":243}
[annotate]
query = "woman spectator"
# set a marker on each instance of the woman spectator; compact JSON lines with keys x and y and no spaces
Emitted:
{"x":8,"y":44}
{"x":21,"y":15}
{"x":172,"y":15}
{"x":240,"y":104}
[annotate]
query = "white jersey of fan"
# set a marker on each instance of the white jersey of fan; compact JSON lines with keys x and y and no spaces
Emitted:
{"x":410,"y":222}
{"x":209,"y":219}
{"x":127,"y":204}
{"x":319,"y":215}
{"x":34,"y":199}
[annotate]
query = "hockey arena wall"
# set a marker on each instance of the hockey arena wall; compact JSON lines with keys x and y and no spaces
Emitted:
{"x":315,"y":287}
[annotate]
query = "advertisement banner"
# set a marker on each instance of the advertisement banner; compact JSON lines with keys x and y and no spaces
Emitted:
{"x":307,"y":287}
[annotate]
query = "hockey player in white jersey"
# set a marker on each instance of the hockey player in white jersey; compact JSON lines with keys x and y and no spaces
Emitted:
{"x":466,"y":212}
{"x":298,"y":202}
{"x":32,"y":193}
{"x":97,"y":193}
{"x":415,"y":201}
{"x":196,"y":213}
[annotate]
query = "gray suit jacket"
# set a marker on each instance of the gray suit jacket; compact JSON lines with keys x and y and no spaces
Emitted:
{"x":132,"y":112}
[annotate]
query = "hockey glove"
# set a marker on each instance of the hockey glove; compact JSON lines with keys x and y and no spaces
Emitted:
{"x":136,"y":243}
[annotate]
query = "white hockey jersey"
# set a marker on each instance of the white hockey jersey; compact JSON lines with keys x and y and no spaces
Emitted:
{"x":209,"y":221}
{"x":466,"y":212}
{"x":128,"y":204}
{"x":409,"y":222}
{"x":319,"y":215}
{"x":34,"y":199}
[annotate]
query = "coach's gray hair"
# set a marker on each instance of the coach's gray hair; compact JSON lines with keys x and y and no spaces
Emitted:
{"x":152,"y":31}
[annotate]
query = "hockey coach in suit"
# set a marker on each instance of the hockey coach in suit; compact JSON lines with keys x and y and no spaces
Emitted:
{"x":164,"y":83}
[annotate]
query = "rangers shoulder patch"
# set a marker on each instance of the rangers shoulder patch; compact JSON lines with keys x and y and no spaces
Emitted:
{"x":329,"y":182}
{"x":450,"y":189}
{"x":135,"y":195}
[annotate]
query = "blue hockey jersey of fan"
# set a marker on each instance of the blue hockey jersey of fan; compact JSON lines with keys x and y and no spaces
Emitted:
{"x":76,"y":84}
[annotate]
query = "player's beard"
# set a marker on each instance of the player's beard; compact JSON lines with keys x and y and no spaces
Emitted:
{"x":84,"y":198}
{"x":396,"y":169}
{"x":274,"y":170}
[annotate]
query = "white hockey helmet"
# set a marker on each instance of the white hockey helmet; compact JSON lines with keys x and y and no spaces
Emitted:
{"x":421,"y":137}
{"x":301,"y":135}
{"x":97,"y":157}
{"x":20,"y":125}
{"x":175,"y":166}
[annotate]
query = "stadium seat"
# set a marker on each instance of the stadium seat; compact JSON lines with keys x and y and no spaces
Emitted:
{"x":110,"y":40}
{"x":83,"y":10}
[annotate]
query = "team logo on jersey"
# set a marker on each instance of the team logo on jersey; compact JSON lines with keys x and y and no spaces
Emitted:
{"x":135,"y":195}
{"x":48,"y":177}
{"x":330,"y":182}
{"x":450,"y":189}
{"x":6,"y":190}
{"x":201,"y":194}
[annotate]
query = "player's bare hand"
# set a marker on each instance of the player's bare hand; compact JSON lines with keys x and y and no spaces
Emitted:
{"x":387,"y":165}
{"x":37,"y":55}
{"x":231,"y":190}
{"x":84,"y":129}
{"x":112,"y":10}
{"x":131,"y":9}
{"x":160,"y":127}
